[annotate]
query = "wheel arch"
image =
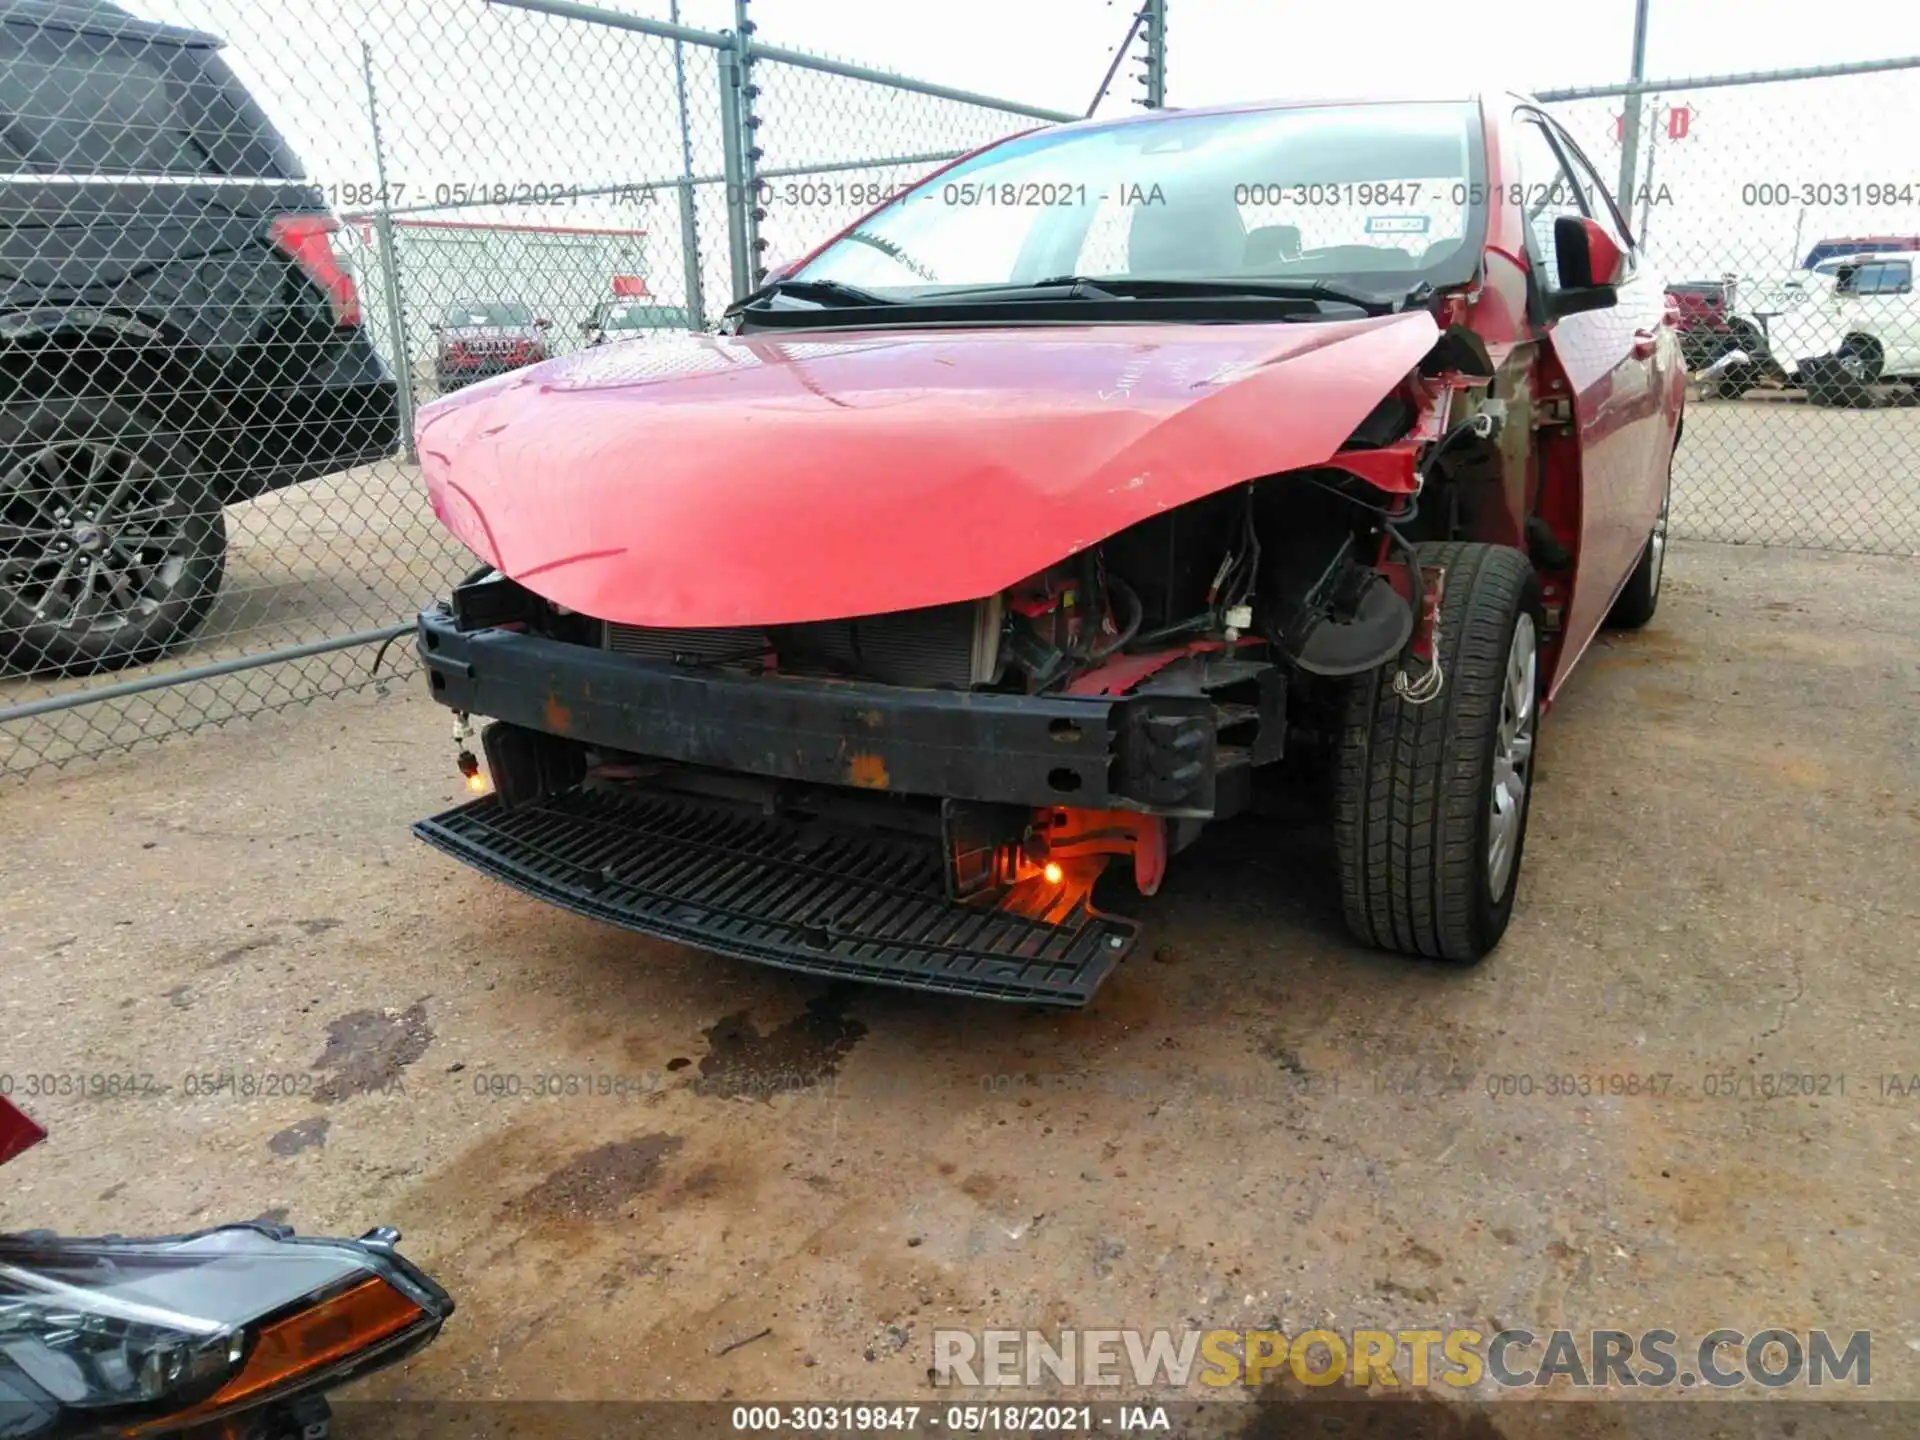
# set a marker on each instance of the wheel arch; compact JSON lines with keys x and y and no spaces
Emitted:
{"x":138,"y":364}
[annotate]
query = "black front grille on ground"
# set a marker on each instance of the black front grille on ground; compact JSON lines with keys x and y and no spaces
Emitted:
{"x":830,"y":901}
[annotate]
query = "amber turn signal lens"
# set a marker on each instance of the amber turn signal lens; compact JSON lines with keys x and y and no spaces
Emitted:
{"x":1053,"y":872}
{"x":310,"y":1340}
{"x":477,"y":783}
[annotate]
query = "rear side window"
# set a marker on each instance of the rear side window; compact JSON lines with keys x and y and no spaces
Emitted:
{"x":80,"y":103}
{"x":1888,"y":277}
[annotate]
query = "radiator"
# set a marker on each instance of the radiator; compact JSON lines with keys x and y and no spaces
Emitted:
{"x":952,"y":646}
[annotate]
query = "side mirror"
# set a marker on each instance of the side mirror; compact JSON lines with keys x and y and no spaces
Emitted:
{"x":435,"y":326}
{"x":1589,"y":264}
{"x":542,"y":321}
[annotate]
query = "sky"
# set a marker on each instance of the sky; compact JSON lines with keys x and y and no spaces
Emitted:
{"x":476,"y":94}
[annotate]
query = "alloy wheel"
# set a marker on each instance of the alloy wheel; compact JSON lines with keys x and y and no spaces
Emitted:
{"x":1512,"y":756}
{"x":90,"y":537}
{"x":1657,"y":543}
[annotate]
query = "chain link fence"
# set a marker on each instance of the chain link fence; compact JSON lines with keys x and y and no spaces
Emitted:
{"x":240,"y":245}
{"x":1784,"y":213}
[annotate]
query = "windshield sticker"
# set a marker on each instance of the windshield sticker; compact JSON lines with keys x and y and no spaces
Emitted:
{"x":1396,"y":224}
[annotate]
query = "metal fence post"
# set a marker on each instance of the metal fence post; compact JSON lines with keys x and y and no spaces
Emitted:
{"x":1630,"y":113}
{"x":397,"y":327}
{"x":751,"y":151}
{"x":1156,"y":73}
{"x":690,"y":255}
{"x":390,"y":267}
{"x":689,"y":213}
{"x":733,"y":151}
{"x":1646,"y":183}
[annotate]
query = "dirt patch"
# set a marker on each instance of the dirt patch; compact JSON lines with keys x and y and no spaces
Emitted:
{"x":306,"y":1135}
{"x":598,"y":1184}
{"x":798,"y":1055}
{"x":367,"y":1050}
{"x":1415,"y":1416}
{"x":239,"y":952}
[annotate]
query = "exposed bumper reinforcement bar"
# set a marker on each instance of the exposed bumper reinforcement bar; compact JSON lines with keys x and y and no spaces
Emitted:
{"x":824,"y":900}
{"x":1153,"y":753}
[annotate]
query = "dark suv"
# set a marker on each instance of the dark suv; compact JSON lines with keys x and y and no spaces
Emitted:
{"x":176,"y":332}
{"x":482,"y":338}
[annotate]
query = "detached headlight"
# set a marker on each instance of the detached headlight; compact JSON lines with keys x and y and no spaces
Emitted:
{"x":137,"y":1337}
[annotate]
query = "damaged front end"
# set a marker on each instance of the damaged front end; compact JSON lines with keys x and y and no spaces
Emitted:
{"x":927,"y":796}
{"x":789,"y":808}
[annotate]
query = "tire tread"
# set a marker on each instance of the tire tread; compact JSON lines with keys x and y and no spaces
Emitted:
{"x":1409,"y":782}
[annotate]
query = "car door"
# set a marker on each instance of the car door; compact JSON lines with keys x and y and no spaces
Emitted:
{"x":1620,"y":363}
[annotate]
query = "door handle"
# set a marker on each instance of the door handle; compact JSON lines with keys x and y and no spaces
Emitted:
{"x":1645,"y":342}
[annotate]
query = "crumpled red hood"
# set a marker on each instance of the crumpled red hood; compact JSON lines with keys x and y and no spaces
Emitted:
{"x":695,"y":480}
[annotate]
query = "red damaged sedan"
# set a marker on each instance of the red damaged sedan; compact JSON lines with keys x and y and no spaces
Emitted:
{"x":1049,"y":514}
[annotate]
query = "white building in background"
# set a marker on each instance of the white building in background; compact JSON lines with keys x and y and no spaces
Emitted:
{"x":560,"y":271}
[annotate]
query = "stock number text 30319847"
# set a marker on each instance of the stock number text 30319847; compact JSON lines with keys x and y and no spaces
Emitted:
{"x":1829,"y":192}
{"x":361,"y":194}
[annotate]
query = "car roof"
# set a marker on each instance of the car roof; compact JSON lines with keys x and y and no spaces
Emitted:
{"x":1439,"y":96}
{"x":102,"y":17}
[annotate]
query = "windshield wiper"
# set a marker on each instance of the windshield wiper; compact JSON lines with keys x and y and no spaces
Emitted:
{"x":1124,"y":287}
{"x":829,"y":292}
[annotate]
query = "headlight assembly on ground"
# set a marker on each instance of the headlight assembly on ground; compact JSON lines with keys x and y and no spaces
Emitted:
{"x":138,"y":1337}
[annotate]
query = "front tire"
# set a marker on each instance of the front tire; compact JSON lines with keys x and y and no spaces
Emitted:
{"x":112,"y":543}
{"x":1846,"y":378}
{"x":1430,"y":801}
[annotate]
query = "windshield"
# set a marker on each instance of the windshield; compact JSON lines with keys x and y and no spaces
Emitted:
{"x":488,"y":312}
{"x":129,"y":104}
{"x":1377,"y":197}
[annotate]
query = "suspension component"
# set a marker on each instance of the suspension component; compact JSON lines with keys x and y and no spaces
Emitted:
{"x":1066,"y":834}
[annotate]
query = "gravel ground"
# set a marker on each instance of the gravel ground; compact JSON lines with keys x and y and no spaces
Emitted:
{"x":1770,"y":469}
{"x":1256,"y":1123}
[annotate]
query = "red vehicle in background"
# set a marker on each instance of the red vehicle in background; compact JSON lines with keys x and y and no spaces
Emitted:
{"x":1044,"y":518}
{"x":1704,"y":315}
{"x":478,"y":339}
